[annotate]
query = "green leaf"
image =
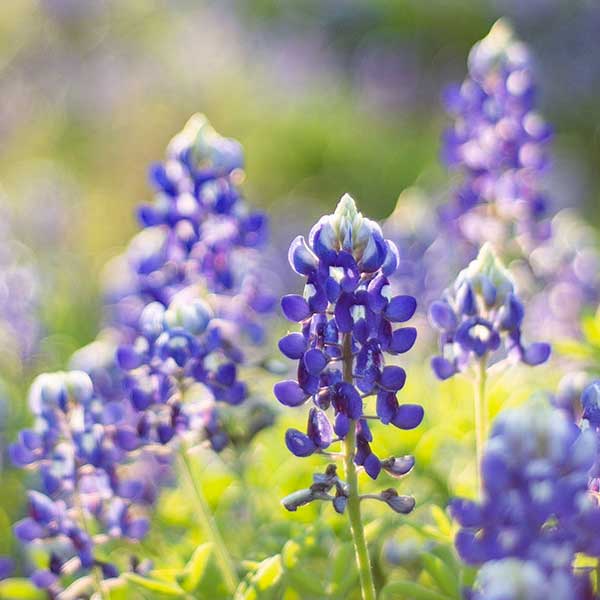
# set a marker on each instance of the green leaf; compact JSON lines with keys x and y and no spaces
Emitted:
{"x":407,"y":590}
{"x":20,"y":589}
{"x":442,"y":574}
{"x":163,"y":588}
{"x":191,"y":576}
{"x":264,"y":583}
{"x":269,"y":573}
{"x":343,"y":573}
{"x":442,"y":520}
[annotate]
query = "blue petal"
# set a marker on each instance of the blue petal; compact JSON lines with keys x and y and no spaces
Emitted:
{"x":401,"y":308}
{"x":403,"y":340}
{"x":295,"y":308}
{"x":298,"y":443}
{"x":408,"y":416}
{"x":289,"y":393}
{"x":301,"y":257}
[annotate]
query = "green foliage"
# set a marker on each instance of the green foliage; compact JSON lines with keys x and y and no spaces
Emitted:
{"x":20,"y":589}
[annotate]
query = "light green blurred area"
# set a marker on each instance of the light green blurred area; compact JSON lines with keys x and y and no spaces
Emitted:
{"x":92,"y":92}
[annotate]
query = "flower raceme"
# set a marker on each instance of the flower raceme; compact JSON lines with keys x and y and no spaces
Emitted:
{"x":77,"y":445}
{"x":182,"y":345}
{"x":346,"y":313}
{"x":480,"y":315}
{"x":498,"y":141}
{"x":198,"y":230}
{"x":536,"y":506}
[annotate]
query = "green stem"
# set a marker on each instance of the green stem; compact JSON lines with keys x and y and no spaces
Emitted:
{"x":353,"y":506}
{"x":481,"y":415}
{"x":209,"y":525}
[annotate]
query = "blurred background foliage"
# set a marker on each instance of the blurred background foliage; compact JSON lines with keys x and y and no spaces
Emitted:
{"x":326,"y":97}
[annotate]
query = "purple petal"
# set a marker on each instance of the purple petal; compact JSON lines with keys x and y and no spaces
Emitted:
{"x":442,"y":367}
{"x":466,"y":512}
{"x":295,"y":308}
{"x":319,"y":428}
{"x":43,"y":579}
{"x":376,"y":300}
{"x":127,"y":438}
{"x":315,"y":361}
{"x":128,"y":358}
{"x":28,"y":530}
{"x":226,"y":374}
{"x":289,"y":393}
{"x":386,"y":406}
{"x":20,"y":455}
{"x":341,"y":425}
{"x":403,"y":340}
{"x":343,"y":317}
{"x":393,"y":378}
{"x":392,"y":258}
{"x":536,"y":354}
{"x":137,"y":529}
{"x":237,"y":393}
{"x":293,"y":345}
{"x":301,"y":257}
{"x":401,"y":308}
{"x":372,"y":466}
{"x":408,"y":416}
{"x":442,"y":316}
{"x":298,"y":443}
{"x":7,"y":566}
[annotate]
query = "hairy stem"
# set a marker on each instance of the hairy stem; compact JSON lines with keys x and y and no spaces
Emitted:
{"x":353,"y":507}
{"x":208,"y":523}
{"x":481,"y":416}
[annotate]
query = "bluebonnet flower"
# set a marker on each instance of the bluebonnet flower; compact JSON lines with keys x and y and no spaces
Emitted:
{"x":197,"y":231}
{"x":590,"y":405}
{"x":498,"y":140}
{"x":535,"y":504}
{"x":480,"y":315}
{"x":76,"y":444}
{"x":513,"y":579}
{"x":183,"y":361}
{"x":346,"y":314}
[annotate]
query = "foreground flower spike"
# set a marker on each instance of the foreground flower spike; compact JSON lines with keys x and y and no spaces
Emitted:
{"x":479,"y":319}
{"x":498,"y":141}
{"x":535,"y":504}
{"x":77,"y":446}
{"x":347,"y":322}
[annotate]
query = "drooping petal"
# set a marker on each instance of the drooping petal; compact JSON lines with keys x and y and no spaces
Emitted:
{"x":289,"y":393}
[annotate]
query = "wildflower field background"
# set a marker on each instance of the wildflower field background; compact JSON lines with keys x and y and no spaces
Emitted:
{"x":325,"y":98}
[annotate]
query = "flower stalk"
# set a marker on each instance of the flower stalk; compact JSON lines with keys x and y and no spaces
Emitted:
{"x":207,"y":520}
{"x":358,"y":534}
{"x":481,"y":416}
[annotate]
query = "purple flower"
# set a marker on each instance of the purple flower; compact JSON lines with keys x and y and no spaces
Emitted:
{"x":498,"y":141}
{"x":348,"y":326}
{"x":535,"y":504}
{"x":78,"y":444}
{"x":480,"y":316}
{"x":197,"y":231}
